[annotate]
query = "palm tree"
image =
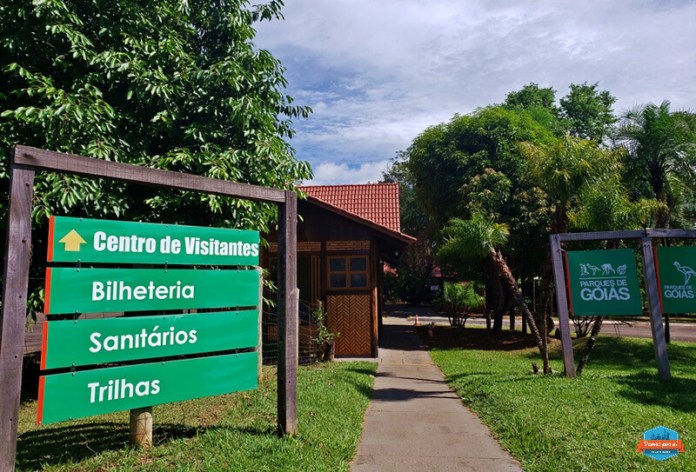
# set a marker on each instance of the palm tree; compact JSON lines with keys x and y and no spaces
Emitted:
{"x":566,"y":169}
{"x":480,"y":238}
{"x":661,"y":145}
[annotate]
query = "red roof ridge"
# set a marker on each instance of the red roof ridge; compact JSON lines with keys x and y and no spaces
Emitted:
{"x":348,"y":185}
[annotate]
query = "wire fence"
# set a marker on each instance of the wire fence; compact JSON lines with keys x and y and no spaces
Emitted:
{"x":307,"y":348}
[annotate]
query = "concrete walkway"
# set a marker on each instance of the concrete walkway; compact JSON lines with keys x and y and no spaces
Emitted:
{"x":415,"y":422}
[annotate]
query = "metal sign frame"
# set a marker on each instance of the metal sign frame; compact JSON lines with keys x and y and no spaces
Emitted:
{"x":651,"y":287}
{"x":26,"y":161}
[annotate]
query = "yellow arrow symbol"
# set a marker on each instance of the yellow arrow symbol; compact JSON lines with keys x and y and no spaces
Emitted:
{"x":72,"y":241}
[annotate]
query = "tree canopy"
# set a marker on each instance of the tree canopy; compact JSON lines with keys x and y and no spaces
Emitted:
{"x":661,"y":147}
{"x":167,"y":84}
{"x":537,"y":167}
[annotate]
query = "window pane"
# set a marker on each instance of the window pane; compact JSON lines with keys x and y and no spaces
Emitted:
{"x":358,"y":280}
{"x":358,"y":263}
{"x":337,"y":264}
{"x":337,"y":280}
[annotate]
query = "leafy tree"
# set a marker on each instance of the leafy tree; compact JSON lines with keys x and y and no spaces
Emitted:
{"x":168,"y":84}
{"x":588,"y":111}
{"x":471,"y":240}
{"x":532,"y":96}
{"x":566,"y":168}
{"x":414,"y":275}
{"x":474,"y":164}
{"x":446,"y":157}
{"x":661,"y":149}
{"x":171,"y":84}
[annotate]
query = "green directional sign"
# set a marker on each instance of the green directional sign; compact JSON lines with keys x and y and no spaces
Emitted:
{"x":109,"y":340}
{"x":604,"y":283}
{"x":70,"y":290}
{"x":677,"y":271}
{"x":127,"y":242}
{"x":95,"y":392}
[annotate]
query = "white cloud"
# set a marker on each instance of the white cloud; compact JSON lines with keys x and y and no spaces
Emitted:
{"x":377,"y":73}
{"x":329,"y":173}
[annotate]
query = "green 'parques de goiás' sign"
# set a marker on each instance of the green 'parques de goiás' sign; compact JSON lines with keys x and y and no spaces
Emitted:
{"x":604,"y":283}
{"x":82,"y":290}
{"x":677,"y":270}
{"x":108,"y":340}
{"x":95,"y":392}
{"x":127,"y":242}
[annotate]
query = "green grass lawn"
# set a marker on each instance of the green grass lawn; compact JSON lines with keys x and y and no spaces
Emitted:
{"x":233,"y":432}
{"x":590,"y":423}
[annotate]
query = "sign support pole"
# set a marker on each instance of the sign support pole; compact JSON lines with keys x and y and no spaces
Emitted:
{"x":651,"y":288}
{"x":141,"y":427}
{"x":562,"y":303}
{"x":14,"y":308}
{"x":287,"y":316}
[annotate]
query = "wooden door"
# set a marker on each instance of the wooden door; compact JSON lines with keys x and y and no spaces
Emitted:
{"x":351,"y":315}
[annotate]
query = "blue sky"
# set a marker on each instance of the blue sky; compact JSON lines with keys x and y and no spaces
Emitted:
{"x":378,"y":72}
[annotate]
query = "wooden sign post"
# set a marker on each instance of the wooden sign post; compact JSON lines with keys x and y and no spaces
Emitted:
{"x":132,"y":386}
{"x":652,"y":288}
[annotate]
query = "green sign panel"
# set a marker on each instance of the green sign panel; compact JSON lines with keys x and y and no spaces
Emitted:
{"x":109,"y":340}
{"x":127,"y":242}
{"x":677,"y":269}
{"x":95,"y":392}
{"x":70,"y":290}
{"x":604,"y":283}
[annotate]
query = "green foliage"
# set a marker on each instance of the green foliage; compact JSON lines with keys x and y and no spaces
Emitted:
{"x":606,"y":206}
{"x":532,"y":96}
{"x":413,"y":278}
{"x":487,"y":193}
{"x":588,"y":111}
{"x":466,"y":241}
{"x":458,"y":300}
{"x":167,"y":84}
{"x":446,"y":157}
{"x":170,"y":84}
{"x":661,"y":149}
{"x":571,"y":168}
{"x":323,"y":335}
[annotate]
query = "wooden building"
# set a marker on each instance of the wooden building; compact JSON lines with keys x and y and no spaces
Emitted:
{"x":345,"y":235}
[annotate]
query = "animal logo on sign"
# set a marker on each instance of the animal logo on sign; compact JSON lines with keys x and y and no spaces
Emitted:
{"x":585,"y":270}
{"x":686,"y":270}
{"x":605,"y":269}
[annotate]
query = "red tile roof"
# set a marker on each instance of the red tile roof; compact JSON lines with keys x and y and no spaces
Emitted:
{"x":378,"y":203}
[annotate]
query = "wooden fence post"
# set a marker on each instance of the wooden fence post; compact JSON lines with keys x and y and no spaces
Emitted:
{"x":653,"y":291}
{"x":562,"y":305}
{"x":14,"y":309}
{"x":287,"y":316}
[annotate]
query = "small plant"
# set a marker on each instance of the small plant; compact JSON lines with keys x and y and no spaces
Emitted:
{"x":324,"y":339}
{"x":458,"y":301}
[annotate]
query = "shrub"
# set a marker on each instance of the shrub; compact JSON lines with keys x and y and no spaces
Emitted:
{"x":458,"y":301}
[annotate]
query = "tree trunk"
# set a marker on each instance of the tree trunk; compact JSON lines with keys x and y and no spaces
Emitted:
{"x":509,"y":279}
{"x":524,"y":325}
{"x":596,"y":327}
{"x":494,"y":296}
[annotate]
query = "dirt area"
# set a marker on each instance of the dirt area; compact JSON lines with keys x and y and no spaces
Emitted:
{"x":446,"y":337}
